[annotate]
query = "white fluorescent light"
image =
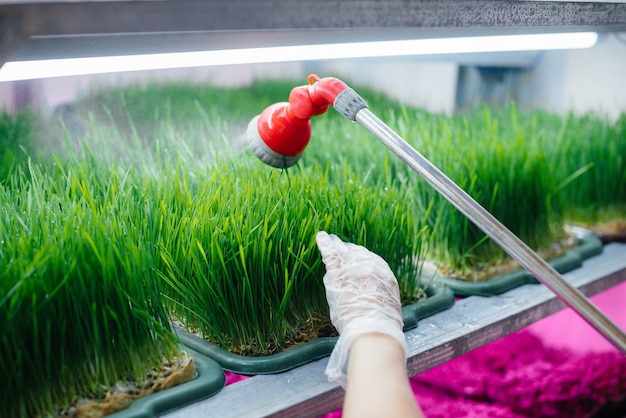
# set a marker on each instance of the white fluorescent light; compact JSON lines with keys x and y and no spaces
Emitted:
{"x":26,"y":70}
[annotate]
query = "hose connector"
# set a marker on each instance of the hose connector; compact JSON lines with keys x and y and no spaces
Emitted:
{"x":348,"y":103}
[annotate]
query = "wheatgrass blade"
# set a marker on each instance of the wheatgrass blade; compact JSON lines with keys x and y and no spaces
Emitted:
{"x":255,"y":247}
{"x":81,"y":306}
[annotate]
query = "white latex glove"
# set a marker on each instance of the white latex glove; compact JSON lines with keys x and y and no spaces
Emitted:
{"x":363,"y":297}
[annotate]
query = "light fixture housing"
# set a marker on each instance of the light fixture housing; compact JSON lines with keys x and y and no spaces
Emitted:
{"x":74,"y":66}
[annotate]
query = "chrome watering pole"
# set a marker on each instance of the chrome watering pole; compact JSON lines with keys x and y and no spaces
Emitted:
{"x":281,"y":132}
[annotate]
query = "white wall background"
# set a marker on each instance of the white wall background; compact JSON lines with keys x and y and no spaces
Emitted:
{"x":428,"y":85}
{"x":582,"y":80}
{"x":49,"y":93}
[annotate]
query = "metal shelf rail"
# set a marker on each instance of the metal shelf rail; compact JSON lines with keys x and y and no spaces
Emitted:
{"x":471,"y":323}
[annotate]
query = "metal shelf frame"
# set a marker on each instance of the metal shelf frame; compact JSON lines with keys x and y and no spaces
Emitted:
{"x":471,"y":323}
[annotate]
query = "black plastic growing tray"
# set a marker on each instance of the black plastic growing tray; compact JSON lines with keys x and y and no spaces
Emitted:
{"x":588,"y":246}
{"x":438,"y":299}
{"x":210,"y":380}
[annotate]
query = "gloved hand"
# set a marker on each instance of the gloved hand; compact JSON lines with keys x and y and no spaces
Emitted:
{"x":363,"y":297}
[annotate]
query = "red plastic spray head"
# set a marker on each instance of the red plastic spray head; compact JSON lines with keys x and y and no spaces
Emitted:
{"x":279,"y":135}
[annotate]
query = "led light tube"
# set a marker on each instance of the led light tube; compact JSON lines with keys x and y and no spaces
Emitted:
{"x":34,"y":69}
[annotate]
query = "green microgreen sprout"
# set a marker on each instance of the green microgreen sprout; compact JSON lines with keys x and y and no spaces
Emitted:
{"x":240,"y":261}
{"x":80,"y":305}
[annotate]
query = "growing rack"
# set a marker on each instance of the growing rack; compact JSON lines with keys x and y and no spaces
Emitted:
{"x":39,"y":29}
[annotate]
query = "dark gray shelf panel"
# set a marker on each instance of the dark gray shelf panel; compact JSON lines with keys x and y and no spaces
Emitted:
{"x":132,"y":16}
{"x":471,"y":323}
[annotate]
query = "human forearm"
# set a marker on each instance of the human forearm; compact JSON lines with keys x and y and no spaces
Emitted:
{"x":378,"y":384}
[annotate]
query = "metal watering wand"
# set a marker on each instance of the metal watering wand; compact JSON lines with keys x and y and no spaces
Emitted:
{"x":279,"y":135}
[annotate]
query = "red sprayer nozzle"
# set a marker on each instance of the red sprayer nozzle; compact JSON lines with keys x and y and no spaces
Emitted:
{"x":279,"y":135}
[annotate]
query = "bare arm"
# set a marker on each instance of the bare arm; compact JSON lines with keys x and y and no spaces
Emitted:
{"x":378,"y":385}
